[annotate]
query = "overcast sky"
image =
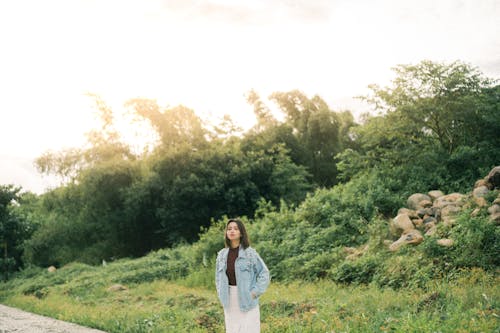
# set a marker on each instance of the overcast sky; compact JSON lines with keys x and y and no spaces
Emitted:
{"x":206,"y":54}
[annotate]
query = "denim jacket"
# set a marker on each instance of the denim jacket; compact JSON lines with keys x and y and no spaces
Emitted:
{"x":252,"y":276}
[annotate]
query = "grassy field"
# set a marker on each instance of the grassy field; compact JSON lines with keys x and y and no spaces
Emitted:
{"x":80,"y":294}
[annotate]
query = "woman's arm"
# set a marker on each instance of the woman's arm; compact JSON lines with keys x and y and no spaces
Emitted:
{"x":262,"y":279}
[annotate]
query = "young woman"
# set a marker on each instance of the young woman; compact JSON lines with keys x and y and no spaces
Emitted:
{"x":241,"y":276}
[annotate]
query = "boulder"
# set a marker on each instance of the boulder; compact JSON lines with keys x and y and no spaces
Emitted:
{"x":402,"y":223}
{"x":430,"y":219}
{"x":417,"y":222}
{"x":475,"y":212}
{"x":482,"y":182}
{"x":449,"y":213}
{"x":494,"y":209}
{"x":117,"y":287}
{"x":424,"y":212}
{"x":414,"y":200}
{"x":495,"y":218}
{"x":494,"y":177}
{"x":51,"y":269}
{"x":431,"y":229}
{"x":456,"y":199}
{"x":480,"y":191}
{"x":435,"y":194}
{"x":410,"y":237}
{"x":410,"y":212}
{"x":355,"y":253}
{"x":425,"y":203}
{"x":446,"y":242}
{"x":480,"y":201}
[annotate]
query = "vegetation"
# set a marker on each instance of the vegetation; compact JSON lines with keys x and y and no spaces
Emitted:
{"x":311,"y":188}
{"x":157,"y":300}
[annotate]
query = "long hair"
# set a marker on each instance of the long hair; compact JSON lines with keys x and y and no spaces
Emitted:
{"x":244,"y":240}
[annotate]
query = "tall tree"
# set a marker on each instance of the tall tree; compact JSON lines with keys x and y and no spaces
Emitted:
{"x":177,"y":126}
{"x":438,"y":99}
{"x":14,"y":229}
{"x":317,"y":128}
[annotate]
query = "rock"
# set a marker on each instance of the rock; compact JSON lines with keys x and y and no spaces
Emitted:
{"x":387,"y":242}
{"x":456,"y":199}
{"x":496,"y":201}
{"x":475,"y":212}
{"x":410,"y":212}
{"x":429,"y":224}
{"x":425,"y":203}
{"x":431,"y":230}
{"x":117,"y":287}
{"x":480,"y":201}
{"x":410,"y":237}
{"x":435,"y":194}
{"x":435,"y":212}
{"x":403,"y":223}
{"x":495,"y":218}
{"x":51,"y":269}
{"x":494,"y":209}
{"x":414,"y":200}
{"x":425,"y":211}
{"x":494,"y":177}
{"x":428,"y":220}
{"x":480,"y":191}
{"x":355,"y":253}
{"x":417,"y":222}
{"x":482,"y":182}
{"x":449,"y":213}
{"x":446,"y":242}
{"x":450,"y":210}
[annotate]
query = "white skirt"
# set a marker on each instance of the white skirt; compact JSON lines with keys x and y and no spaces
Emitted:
{"x":238,"y":321}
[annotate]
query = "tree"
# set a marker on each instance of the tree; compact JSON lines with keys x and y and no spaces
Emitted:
{"x":439,"y":100}
{"x":265,"y":119}
{"x":317,"y":128}
{"x":176,"y":126}
{"x":14,"y":229}
{"x":437,"y":128}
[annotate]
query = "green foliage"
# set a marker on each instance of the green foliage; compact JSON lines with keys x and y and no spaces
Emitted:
{"x":15,"y":228}
{"x":478,"y":242}
{"x":356,"y":272}
{"x":468,"y":304}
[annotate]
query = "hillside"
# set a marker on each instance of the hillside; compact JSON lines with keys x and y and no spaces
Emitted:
{"x":324,"y":279}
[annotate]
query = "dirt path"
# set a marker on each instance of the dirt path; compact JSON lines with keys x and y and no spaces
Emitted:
{"x":18,"y":321}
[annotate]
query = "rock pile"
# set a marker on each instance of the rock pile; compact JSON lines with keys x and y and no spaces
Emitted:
{"x":425,"y":211}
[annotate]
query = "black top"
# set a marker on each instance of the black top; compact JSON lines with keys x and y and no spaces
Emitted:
{"x":231,"y":259}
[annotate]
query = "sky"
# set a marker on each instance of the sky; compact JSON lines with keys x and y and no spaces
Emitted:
{"x":206,"y":55}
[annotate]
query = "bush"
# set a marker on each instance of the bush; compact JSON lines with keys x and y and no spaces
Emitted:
{"x":408,"y":269}
{"x":359,"y":271}
{"x":477,"y":242}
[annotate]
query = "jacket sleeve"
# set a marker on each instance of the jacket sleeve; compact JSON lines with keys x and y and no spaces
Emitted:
{"x":262,"y":277}
{"x":216,"y":272}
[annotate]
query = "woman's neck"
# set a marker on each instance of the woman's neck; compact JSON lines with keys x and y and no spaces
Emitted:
{"x":235,"y":244}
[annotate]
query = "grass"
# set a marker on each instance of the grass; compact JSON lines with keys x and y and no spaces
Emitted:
{"x":79,"y":293}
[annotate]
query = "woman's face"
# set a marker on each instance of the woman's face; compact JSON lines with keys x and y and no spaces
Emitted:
{"x":232,"y":231}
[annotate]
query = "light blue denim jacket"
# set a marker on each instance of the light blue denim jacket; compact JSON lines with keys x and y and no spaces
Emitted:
{"x":252,"y":276}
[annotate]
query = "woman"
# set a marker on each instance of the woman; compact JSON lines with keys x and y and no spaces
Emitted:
{"x":241,"y":276}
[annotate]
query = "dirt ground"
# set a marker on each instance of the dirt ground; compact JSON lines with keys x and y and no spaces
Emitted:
{"x":17,"y":321}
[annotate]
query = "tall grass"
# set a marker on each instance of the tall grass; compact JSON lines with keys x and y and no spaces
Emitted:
{"x":79,"y":293}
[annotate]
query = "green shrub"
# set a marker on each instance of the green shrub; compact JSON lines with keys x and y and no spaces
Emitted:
{"x":358,"y":271}
{"x":402,"y":270}
{"x":477,"y":242}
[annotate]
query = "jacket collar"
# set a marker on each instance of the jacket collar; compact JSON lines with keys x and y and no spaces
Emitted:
{"x":241,"y":252}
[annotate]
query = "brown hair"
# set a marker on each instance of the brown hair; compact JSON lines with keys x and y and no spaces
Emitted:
{"x":244,"y":240}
